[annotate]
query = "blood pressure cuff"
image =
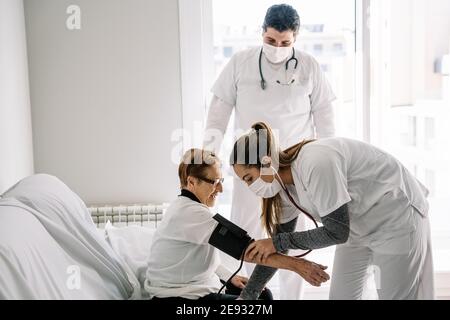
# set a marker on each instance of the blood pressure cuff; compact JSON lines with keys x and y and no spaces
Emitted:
{"x":229,"y":238}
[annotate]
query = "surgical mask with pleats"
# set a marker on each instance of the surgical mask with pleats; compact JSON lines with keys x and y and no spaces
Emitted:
{"x":265,"y":189}
{"x":276,"y":54}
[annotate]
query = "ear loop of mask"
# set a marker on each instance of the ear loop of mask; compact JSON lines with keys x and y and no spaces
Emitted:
{"x":266,"y":166}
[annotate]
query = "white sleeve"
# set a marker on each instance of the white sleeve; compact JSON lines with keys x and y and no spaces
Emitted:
{"x":194,"y":225}
{"x":324,"y":122}
{"x":225,"y":87}
{"x":218,"y":117}
{"x":322,"y":97}
{"x":325,"y":177}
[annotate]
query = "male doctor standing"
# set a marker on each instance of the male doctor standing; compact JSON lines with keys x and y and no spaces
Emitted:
{"x":283,"y":87}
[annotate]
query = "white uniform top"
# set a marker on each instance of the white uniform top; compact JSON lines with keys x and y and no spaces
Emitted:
{"x":181,"y":262}
{"x":296,"y":110}
{"x":378,"y":189}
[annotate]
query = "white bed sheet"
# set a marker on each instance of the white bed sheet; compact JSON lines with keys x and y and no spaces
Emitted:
{"x":132,"y":244}
{"x":46,"y":233}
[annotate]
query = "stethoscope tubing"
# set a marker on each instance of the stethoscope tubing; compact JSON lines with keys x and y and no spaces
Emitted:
{"x":305,"y":213}
{"x":263,"y":81}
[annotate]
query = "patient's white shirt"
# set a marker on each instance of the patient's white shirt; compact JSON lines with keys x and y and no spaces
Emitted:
{"x":181,"y":262}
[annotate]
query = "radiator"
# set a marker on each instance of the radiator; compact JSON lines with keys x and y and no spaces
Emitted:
{"x":147,"y":215}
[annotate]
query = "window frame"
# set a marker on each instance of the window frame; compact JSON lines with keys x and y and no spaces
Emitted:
{"x":196,"y":38}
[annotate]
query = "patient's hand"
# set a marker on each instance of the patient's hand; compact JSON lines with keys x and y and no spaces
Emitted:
{"x":239,"y":281}
{"x":312,"y":272}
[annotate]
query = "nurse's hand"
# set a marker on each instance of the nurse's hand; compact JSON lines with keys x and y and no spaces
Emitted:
{"x":312,"y":272}
{"x":259,"y":250}
{"x":239,"y":281}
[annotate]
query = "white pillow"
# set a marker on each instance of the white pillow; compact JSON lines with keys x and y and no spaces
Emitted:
{"x":132,"y":244}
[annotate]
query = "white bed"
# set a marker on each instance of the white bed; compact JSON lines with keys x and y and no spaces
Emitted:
{"x":51,"y":249}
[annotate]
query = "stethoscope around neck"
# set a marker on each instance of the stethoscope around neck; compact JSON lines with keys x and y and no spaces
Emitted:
{"x":263,"y":81}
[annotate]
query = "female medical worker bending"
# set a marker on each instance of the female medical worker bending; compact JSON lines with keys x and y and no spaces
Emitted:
{"x":367,"y":201}
{"x":282,"y":86}
{"x":182,"y":263}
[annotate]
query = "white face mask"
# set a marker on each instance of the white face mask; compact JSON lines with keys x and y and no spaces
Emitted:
{"x":266,"y":189}
{"x":276,"y":54}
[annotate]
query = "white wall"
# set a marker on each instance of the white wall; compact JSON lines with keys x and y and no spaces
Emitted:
{"x":106,"y":98}
{"x":16,"y":153}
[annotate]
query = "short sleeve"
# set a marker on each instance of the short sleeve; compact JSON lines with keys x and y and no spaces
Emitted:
{"x":195,"y":225}
{"x":325,"y":178}
{"x":225,"y":87}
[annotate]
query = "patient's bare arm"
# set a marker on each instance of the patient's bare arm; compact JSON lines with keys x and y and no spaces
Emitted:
{"x":312,"y":272}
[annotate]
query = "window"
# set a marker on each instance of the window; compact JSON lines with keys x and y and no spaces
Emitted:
{"x":227,"y":52}
{"x":410,"y":105}
{"x":318,"y":48}
{"x":338,"y":47}
{"x":408,"y":127}
{"x":325,"y":68}
{"x":430,"y":181}
{"x":429,"y":133}
{"x":235,"y":30}
{"x":313,"y":27}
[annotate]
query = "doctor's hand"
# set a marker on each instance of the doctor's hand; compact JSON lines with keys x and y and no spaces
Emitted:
{"x":260,"y":250}
{"x":239,"y":281}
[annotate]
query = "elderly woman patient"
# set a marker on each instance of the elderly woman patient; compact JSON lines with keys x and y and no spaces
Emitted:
{"x":182,"y":264}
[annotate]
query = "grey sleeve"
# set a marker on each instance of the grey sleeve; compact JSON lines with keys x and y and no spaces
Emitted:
{"x":335,"y":230}
{"x":262,"y":274}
